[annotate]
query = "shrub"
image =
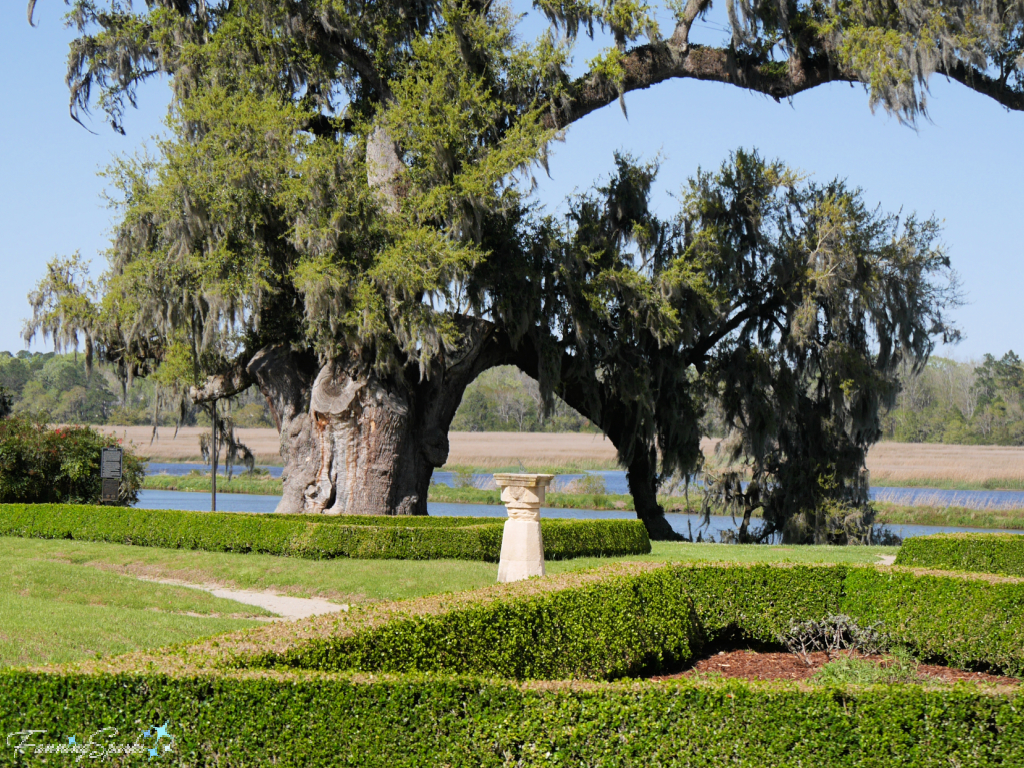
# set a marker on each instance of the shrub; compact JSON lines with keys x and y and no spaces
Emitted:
{"x":829,"y":636}
{"x":409,"y":538}
{"x":615,"y":627}
{"x":597,"y":624}
{"x":62,"y":465}
{"x":621,"y":625}
{"x":969,"y":623}
{"x":235,"y":721}
{"x":981,"y":552}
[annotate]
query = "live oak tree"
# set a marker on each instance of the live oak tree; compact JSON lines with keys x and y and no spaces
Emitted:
{"x":339,"y":215}
{"x":792,"y":304}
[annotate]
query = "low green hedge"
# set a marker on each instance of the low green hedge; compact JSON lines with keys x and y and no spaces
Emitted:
{"x":323,"y":538}
{"x":966,"y":622}
{"x":223,"y":707}
{"x":637,"y":624}
{"x":604,"y":630}
{"x":416,"y":721}
{"x":981,"y":552}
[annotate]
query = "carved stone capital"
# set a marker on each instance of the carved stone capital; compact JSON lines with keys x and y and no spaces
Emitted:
{"x":523,"y":494}
{"x":522,"y":546}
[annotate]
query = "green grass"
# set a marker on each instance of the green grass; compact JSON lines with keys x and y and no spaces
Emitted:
{"x":258,"y":484}
{"x":898,"y":667}
{"x":343,"y":579}
{"x":67,"y":600}
{"x":59,"y":611}
{"x":672,"y":552}
{"x":895,"y":514}
{"x":351,"y":580}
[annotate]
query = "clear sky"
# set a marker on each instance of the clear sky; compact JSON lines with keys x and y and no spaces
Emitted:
{"x":966,"y":166}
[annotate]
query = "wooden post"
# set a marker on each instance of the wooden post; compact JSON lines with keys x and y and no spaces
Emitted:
{"x":213,"y":452}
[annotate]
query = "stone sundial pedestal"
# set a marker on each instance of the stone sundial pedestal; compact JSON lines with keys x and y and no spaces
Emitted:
{"x":522,"y":548}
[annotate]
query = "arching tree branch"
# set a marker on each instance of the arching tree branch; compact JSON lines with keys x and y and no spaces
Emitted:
{"x":648,"y":65}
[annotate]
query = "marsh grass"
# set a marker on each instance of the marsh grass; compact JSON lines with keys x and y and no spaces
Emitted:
{"x":956,"y":517}
{"x":915,"y":465}
{"x":244,"y":483}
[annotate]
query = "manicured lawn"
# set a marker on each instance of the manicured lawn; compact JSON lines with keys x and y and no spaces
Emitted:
{"x":66,"y":600}
{"x":737,"y":553}
{"x":57,"y":611}
{"x":343,"y":580}
{"x":349,"y":580}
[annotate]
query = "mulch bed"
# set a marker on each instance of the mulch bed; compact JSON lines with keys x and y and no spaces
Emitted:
{"x":774,"y":665}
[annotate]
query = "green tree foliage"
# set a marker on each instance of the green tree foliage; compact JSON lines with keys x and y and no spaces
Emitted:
{"x":965,"y":403}
{"x":341,"y":193}
{"x":58,"y":389}
{"x":258,"y":212}
{"x":790,"y":303}
{"x":43,"y":465}
{"x":504,"y":399}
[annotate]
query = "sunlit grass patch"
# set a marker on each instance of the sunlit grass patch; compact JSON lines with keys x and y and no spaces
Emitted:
{"x":58,"y":611}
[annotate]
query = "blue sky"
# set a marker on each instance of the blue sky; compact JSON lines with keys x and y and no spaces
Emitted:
{"x":966,"y":166}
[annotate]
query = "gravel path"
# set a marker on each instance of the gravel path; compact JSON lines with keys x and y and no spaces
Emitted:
{"x":287,"y":608}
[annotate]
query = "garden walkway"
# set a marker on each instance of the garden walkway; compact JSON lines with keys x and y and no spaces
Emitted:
{"x":286,"y":608}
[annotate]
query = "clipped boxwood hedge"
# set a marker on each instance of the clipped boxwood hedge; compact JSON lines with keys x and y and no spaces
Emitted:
{"x":966,"y":622}
{"x":636,"y":624}
{"x":980,"y":552}
{"x":323,"y":538}
{"x":602,"y":624}
{"x":235,"y":721}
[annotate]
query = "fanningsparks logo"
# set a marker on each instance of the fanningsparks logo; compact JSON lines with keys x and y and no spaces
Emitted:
{"x":154,"y":742}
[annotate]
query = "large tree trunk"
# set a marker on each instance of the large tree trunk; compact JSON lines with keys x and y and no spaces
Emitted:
{"x":369,"y":454}
{"x":576,"y":388}
{"x":643,"y":484}
{"x":357,"y":443}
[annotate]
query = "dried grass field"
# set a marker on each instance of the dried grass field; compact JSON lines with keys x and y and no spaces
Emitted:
{"x":949,"y":466}
{"x":183,"y":445}
{"x":988,"y":466}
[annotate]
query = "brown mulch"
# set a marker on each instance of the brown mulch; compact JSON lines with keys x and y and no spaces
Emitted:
{"x":774,"y":665}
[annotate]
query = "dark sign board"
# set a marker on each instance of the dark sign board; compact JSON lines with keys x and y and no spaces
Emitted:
{"x":109,"y":490}
{"x":110,"y":463}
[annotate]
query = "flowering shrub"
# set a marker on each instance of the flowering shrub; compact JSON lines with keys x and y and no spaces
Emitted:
{"x":62,"y":465}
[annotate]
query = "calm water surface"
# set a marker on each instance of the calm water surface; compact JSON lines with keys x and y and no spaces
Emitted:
{"x":615,"y":482}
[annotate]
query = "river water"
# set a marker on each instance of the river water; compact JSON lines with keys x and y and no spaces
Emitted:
{"x":684,"y":524}
{"x":615,"y":482}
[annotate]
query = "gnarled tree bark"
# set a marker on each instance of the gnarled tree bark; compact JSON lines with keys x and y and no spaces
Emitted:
{"x":354,"y":442}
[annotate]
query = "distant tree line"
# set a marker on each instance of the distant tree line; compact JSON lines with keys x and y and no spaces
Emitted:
{"x":504,"y":399}
{"x":968,"y":403}
{"x":59,"y":389}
